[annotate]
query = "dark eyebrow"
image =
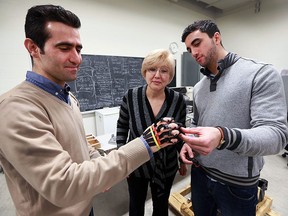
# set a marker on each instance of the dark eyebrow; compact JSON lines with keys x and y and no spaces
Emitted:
{"x":68,"y":44}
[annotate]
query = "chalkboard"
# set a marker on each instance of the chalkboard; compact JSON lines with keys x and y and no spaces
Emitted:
{"x":103,"y":80}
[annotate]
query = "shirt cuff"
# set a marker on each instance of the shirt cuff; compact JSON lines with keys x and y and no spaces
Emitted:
{"x":147,"y":147}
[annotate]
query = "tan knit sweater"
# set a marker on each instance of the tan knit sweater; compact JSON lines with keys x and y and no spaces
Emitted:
{"x":45,"y":156}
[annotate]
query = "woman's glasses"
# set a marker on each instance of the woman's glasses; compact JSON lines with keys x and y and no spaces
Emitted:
{"x":162,"y":70}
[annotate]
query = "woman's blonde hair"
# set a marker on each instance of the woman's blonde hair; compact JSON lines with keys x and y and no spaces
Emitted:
{"x":159,"y":57}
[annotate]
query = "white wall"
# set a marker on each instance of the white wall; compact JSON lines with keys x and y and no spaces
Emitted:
{"x":109,"y":27}
{"x":261,"y":36}
{"x":134,"y":27}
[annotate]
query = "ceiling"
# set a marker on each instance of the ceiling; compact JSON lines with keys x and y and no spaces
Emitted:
{"x":218,"y":8}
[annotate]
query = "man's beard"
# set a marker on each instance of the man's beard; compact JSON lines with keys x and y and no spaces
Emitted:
{"x":211,"y":55}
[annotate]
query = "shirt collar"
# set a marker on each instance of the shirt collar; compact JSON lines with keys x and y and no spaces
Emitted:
{"x":49,"y":86}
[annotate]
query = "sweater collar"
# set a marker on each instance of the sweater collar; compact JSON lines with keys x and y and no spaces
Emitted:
{"x":223,"y":64}
{"x":228,"y":60}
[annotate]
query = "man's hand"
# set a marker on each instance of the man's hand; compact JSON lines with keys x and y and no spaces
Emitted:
{"x":186,"y":153}
{"x":163,"y":133}
{"x":182,"y":169}
{"x":201,"y":139}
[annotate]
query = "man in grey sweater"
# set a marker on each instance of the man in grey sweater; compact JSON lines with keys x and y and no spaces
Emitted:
{"x":240,"y":115}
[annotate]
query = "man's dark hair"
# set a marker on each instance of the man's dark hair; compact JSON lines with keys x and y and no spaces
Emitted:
{"x":37,"y":18}
{"x":205,"y":26}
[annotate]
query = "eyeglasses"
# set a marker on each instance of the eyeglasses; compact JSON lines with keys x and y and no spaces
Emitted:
{"x":162,"y":70}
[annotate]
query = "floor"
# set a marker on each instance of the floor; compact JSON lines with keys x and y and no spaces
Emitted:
{"x":115,"y":201}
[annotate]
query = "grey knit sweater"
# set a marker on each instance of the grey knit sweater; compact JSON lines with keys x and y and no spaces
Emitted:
{"x":247,"y":100}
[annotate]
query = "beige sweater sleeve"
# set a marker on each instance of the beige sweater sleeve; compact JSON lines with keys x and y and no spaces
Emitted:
{"x":45,"y":153}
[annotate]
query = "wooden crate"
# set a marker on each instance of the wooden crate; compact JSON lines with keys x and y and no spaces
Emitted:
{"x":263,"y":208}
{"x":180,"y":203}
{"x":92,"y":140}
{"x":184,"y":206}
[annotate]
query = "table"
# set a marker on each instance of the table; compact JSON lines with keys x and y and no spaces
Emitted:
{"x":104,"y":141}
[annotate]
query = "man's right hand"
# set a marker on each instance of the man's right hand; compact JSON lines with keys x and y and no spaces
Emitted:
{"x":202,"y":140}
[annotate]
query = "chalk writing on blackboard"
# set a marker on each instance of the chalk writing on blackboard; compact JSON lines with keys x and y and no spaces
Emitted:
{"x":103,"y":80}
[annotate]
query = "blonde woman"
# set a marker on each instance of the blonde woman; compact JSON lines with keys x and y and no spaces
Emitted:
{"x":140,"y":108}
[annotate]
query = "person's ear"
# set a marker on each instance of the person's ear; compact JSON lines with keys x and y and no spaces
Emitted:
{"x":217,"y":37}
{"x":31,"y":47}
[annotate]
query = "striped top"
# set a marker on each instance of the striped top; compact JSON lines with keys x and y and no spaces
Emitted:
{"x":136,"y":115}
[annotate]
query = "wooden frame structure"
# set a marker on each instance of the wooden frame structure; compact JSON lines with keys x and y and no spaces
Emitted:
{"x":183,"y":205}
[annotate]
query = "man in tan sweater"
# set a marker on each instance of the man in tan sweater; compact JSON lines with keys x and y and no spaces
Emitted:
{"x":49,"y":168}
